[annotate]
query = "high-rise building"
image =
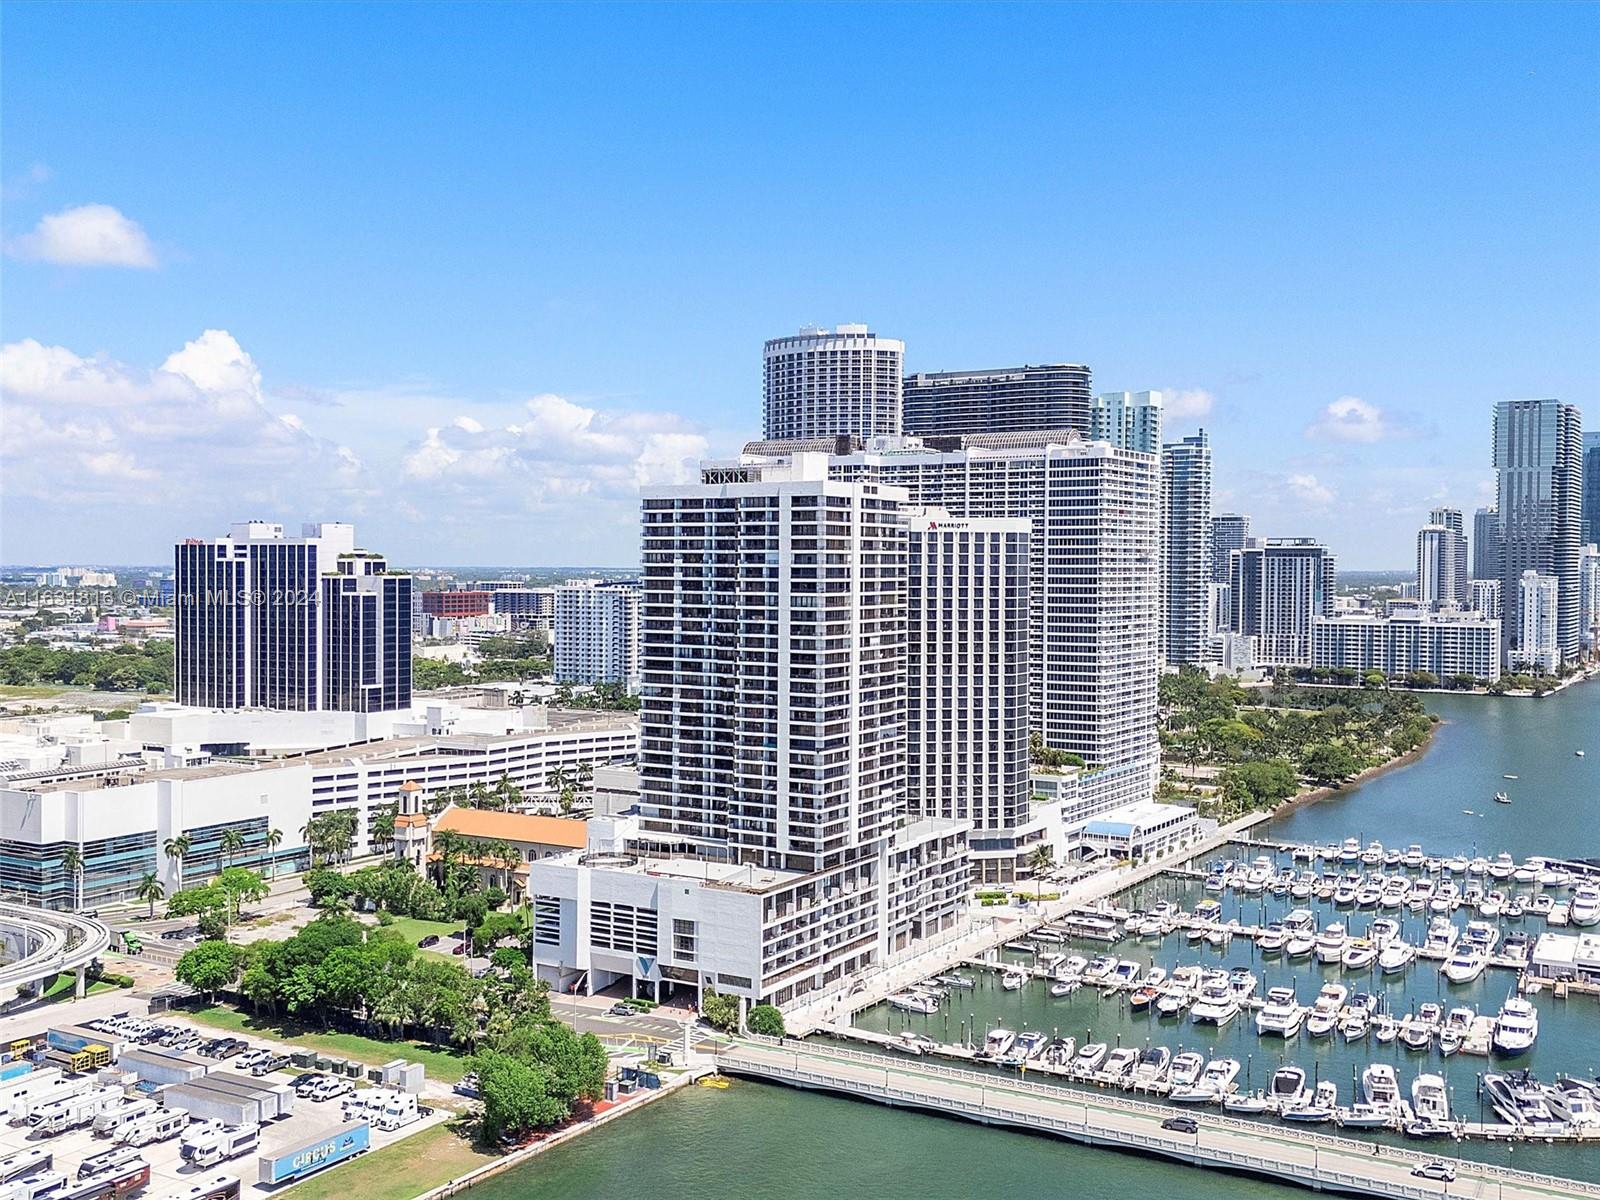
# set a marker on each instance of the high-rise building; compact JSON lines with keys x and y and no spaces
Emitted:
{"x":1185,"y":548}
{"x":597,"y":633}
{"x":366,"y":636}
{"x":1229,"y":532}
{"x":1003,"y":400}
{"x":1486,"y":598}
{"x":967,"y":681}
{"x":1590,"y":534}
{"x":1538,"y":647}
{"x":828,"y":384}
{"x":1538,"y":464}
{"x":1128,"y":420}
{"x":250,"y":629}
{"x":1589,"y":597}
{"x":1455,"y":576}
{"x":1486,"y":548}
{"x":1094,"y":577}
{"x":1280,"y":585}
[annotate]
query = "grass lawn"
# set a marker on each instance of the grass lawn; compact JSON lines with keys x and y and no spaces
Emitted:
{"x":414,"y":930}
{"x":401,"y":1171}
{"x":61,"y":987}
{"x":29,"y":691}
{"x":441,"y":1064}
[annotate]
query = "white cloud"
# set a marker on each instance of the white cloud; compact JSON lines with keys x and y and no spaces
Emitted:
{"x":1351,"y":419}
{"x":1179,"y":404}
{"x":1309,"y":489}
{"x":91,"y":235}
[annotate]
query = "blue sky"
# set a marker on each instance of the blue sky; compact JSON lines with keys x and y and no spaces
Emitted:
{"x":467,"y":275}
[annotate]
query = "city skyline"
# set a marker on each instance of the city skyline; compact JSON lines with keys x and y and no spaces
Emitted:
{"x":499,"y":352}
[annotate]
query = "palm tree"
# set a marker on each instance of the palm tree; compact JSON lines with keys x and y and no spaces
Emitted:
{"x":274,"y":840}
{"x":72,"y":863}
{"x":585,"y":774}
{"x":519,"y":698}
{"x":556,"y":780}
{"x":175,"y":848}
{"x":151,"y":889}
{"x":1041,"y":859}
{"x":310,"y":832}
{"x":230,"y":843}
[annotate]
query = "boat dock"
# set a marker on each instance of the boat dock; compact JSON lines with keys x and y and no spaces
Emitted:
{"x":1321,"y":1162}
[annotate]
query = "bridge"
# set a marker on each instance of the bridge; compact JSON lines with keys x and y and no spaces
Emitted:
{"x":41,"y":943}
{"x":1320,"y":1162}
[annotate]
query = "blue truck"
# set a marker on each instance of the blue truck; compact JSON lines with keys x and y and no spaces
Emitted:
{"x":341,"y":1145}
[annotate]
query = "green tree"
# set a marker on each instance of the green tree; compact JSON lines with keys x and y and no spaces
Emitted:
{"x":274,"y":840}
{"x":721,"y":1012}
{"x":1329,"y":763}
{"x":516,"y":1096}
{"x":72,"y":864}
{"x":230,"y":843}
{"x":150,"y":890}
{"x":176,"y":848}
{"x":1041,"y":858}
{"x":241,"y":886}
{"x":765,"y":1019}
{"x":210,"y":967}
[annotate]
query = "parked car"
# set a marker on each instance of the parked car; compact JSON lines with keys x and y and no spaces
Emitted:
{"x":621,"y":1009}
{"x":331,"y":1089}
{"x":303,"y":1084}
{"x":232,"y":1046}
{"x":431,"y":940}
{"x":269,"y":1064}
{"x":1181,"y":1124}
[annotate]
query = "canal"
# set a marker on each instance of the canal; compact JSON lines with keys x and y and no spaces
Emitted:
{"x":760,"y":1141}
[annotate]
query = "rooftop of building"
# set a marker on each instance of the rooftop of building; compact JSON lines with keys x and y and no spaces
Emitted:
{"x":1131,"y":818}
{"x":513,"y":827}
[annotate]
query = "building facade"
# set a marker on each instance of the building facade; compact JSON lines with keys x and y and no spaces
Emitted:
{"x":1229,"y":532}
{"x":1590,"y":532}
{"x":967,"y":681}
{"x":1538,"y":647}
{"x":1445,"y":644}
{"x":250,"y":629}
{"x":1185,"y":549}
{"x":1279,"y":586}
{"x":455,"y":604}
{"x":826,"y":384}
{"x":366,"y":637}
{"x":1486,"y":548}
{"x":1538,"y":465}
{"x":1589,"y":597}
{"x":597,"y":633}
{"x":1486,"y":598}
{"x":1004,"y":400}
{"x":1128,"y":420}
{"x":1442,"y":560}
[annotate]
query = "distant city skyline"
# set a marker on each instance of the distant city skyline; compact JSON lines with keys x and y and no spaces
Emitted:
{"x":478,"y":340}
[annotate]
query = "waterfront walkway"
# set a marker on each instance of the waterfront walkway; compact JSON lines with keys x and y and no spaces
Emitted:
{"x":1318,"y":1161}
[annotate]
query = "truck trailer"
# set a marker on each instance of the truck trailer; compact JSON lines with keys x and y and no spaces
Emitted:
{"x":341,"y":1145}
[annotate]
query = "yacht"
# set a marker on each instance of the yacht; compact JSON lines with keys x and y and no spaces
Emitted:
{"x":1271,"y":939}
{"x":1216,"y":1005}
{"x":1300,"y":920}
{"x":1288,"y":1086}
{"x":917,"y":1002}
{"x":1573,"y":1101}
{"x":1445,"y":898}
{"x":1420,"y":896}
{"x":1379,"y":1086}
{"x":1478,"y":866}
{"x":1395,"y":891}
{"x":1357,"y":1017}
{"x":1520,"y":1101}
{"x":1442,"y":937}
{"x":1516,"y":1027}
{"x":1493,"y":904}
{"x":1300,"y":945}
{"x":1099,"y":968}
{"x":1391,"y":858}
{"x":1456,"y":864}
{"x":1554,"y":877}
{"x":1464,"y":966}
{"x":1248,"y":1103}
{"x":966,"y":981}
{"x":1350,"y":851}
{"x":1260,"y":871}
{"x":1152,"y":1065}
{"x":1123,"y":974}
{"x":1541,"y":905}
{"x":1344,"y":892}
{"x":1090,"y":1056}
{"x":1154,"y":977}
{"x":1503,"y":867}
{"x":1281,"y":1015}
{"x":997,"y":1044}
{"x":1396,"y":957}
{"x":1584,"y":908}
{"x":1302,"y":887}
{"x":1430,"y":1101}
{"x":1185,"y":1070}
{"x":1173,"y":999}
{"x":1368,"y":893}
{"x":1013,"y":980}
{"x":1373,"y":854}
{"x":1481,"y":936}
{"x":1364,"y":1116}
{"x":1320,"y":1107}
{"x":1325,"y":1012}
{"x":916,"y":1043}
{"x":1073,"y":968}
{"x":1330,"y":943}
{"x":1514,"y":949}
{"x":1063,"y":987}
{"x":1120,"y":1062}
{"x":1208,"y":910}
{"x":1413,"y":858}
{"x":1529,"y":871}
{"x":1223,"y":934}
{"x":1325,"y":888}
{"x":1453,"y":1033}
{"x":1242,"y":982}
{"x":1058,"y":1052}
{"x":1385,"y":1028}
{"x":1028,"y":1046}
{"x":1143,"y":997}
{"x":1416,"y":1031}
{"x":1360,"y":954}
{"x":1516,"y":908}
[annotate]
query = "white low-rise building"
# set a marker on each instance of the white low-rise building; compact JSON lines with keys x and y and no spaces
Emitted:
{"x":1443,"y":642}
{"x":1141,"y":831}
{"x":1566,"y":956}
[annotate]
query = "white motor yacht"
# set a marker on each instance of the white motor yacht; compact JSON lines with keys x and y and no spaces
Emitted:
{"x":1453,"y":1033}
{"x":1120,"y":1062}
{"x":1481,"y":936}
{"x":1099,"y":968}
{"x":998,"y":1043}
{"x":1152,"y":1064}
{"x":1420,"y":896}
{"x":1330,"y":943}
{"x":1516,"y":1026}
{"x":1242,"y":982}
{"x":1413,"y":858}
{"x":1573,"y":1101}
{"x":1360,"y":954}
{"x":1281,"y":1016}
{"x":1442,"y":938}
{"x":1064,"y":987}
{"x":1503,"y":867}
{"x":1584,"y":908}
{"x":1272,"y":939}
{"x":1464,"y":966}
{"x":1216,"y":1005}
{"x":1300,"y":945}
{"x":1372,"y":855}
{"x":1520,"y":1101}
{"x":1288,"y":1086}
{"x":1350,"y":851}
{"x":1089,"y":1057}
{"x":1529,"y":871}
{"x":1325,"y":1012}
{"x":1212,"y":1084}
{"x":1368,"y":893}
{"x":1379,"y":1086}
{"x":1072,"y":968}
{"x":1429,"y":1099}
{"x":1185,"y":1070}
{"x":1011,"y":981}
{"x":917,"y":1002}
{"x":1344,"y":892}
{"x":1396,"y":957}
{"x":1320,"y":1107}
{"x":1395,"y":891}
{"x":1385,"y":1028}
{"x":1255,"y":879}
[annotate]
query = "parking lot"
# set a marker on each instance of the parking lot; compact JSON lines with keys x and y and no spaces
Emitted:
{"x":317,"y":1111}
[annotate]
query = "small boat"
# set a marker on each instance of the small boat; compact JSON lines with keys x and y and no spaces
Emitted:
{"x":1364,"y":1116}
{"x":1064,"y":987}
{"x":1300,"y":945}
{"x":1385,"y":1028}
{"x":1360,"y":954}
{"x":1501,"y":798}
{"x":1320,"y":1107}
{"x":1247,"y":1104}
{"x":1509,"y":777}
{"x":1028,"y":1046}
{"x":1272,"y":939}
{"x":1141,"y":998}
{"x":1012,"y":981}
{"x":1089,"y":1057}
{"x":917,"y":1043}
{"x":1578,"y":753}
{"x":1058,"y":1052}
{"x":917,"y":1002}
{"x":1396,"y":957}
{"x":956,"y":981}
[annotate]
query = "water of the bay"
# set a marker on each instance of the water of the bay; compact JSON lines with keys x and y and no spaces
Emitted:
{"x":758,"y":1141}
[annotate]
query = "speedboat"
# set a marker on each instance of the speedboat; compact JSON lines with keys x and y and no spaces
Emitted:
{"x":1385,"y":1028}
{"x":1493,"y":904}
{"x":1271,"y":939}
{"x":1372,"y":855}
{"x":1300,"y":945}
{"x":1464,"y":966}
{"x":1345,"y":892}
{"x":1281,"y":1015}
{"x":1503,"y":867}
{"x":1541,"y":905}
{"x":1516,"y":908}
{"x":1072,"y":967}
{"x":961,"y":981}
{"x":1143,"y":996}
{"x":1357,"y":1017}
{"x":1584,"y":908}
{"x":1120,"y":1062}
{"x":1058,"y":1052}
{"x":1154,"y":977}
{"x":1394,"y":891}
{"x":1320,"y":1107}
{"x":1013,"y":980}
{"x":917,"y":1002}
{"x":1090,"y":1056}
{"x":1099,"y":968}
{"x":1028,"y":1046}
{"x":1330,"y":943}
{"x":1429,"y":1099}
{"x":1520,"y":1101}
{"x":1174,"y":998}
{"x":1185,"y":1070}
{"x":1573,"y":1101}
{"x":1396,"y":957}
{"x":1412,"y":859}
{"x":1360,"y":954}
{"x":1364,"y":1116}
{"x":1288,"y":1086}
{"x":1325,"y":1012}
{"x":1152,"y":1065}
{"x":1064,"y":987}
{"x":1247,"y":1103}
{"x":1369,"y":893}
{"x":1453,"y":1033}
{"x":1516,"y":1026}
{"x":997,"y":1043}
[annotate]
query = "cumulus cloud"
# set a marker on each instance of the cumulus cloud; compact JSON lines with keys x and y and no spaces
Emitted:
{"x":1179,"y":404}
{"x":1310,"y":489}
{"x":197,"y":429}
{"x":1351,"y":419}
{"x":557,"y":448}
{"x":91,"y":235}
